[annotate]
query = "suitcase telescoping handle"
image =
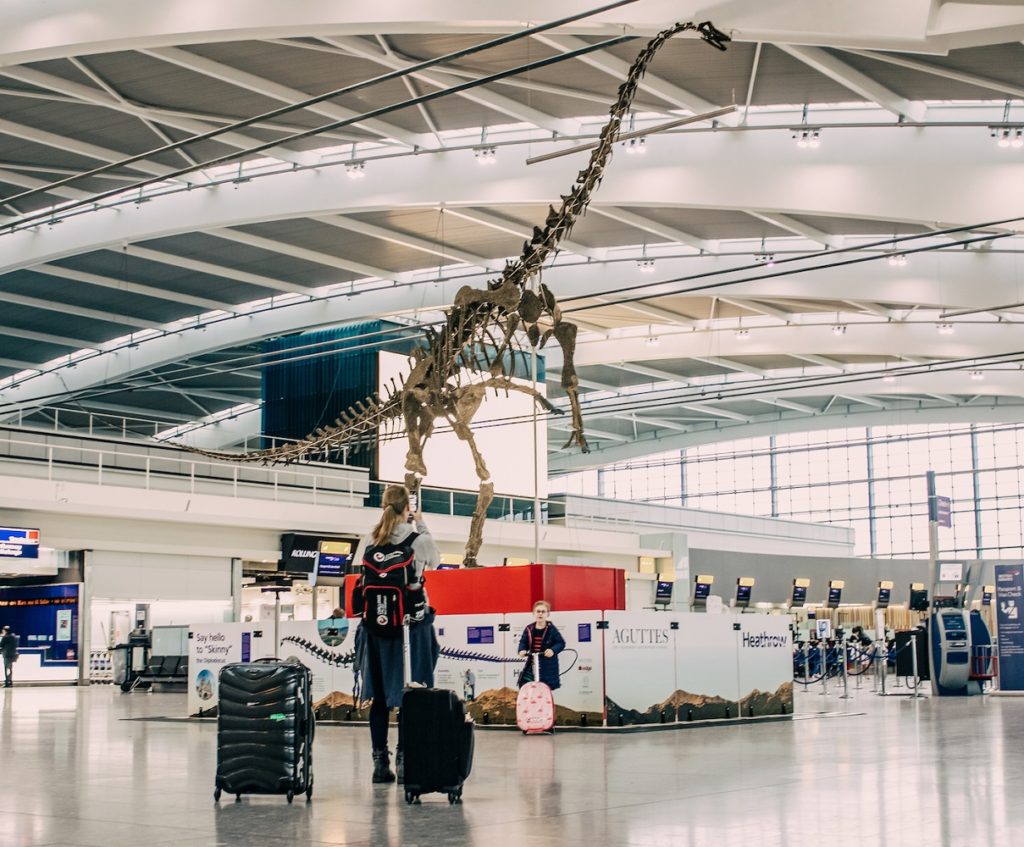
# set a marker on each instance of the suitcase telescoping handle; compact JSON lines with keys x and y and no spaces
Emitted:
{"x":536,"y":667}
{"x":406,"y":654}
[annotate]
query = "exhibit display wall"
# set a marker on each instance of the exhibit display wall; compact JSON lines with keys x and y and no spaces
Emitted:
{"x":640,"y":667}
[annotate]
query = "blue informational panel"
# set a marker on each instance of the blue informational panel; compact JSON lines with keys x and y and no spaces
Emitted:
{"x":1010,"y":625}
{"x":18,"y":543}
{"x":43,"y":616}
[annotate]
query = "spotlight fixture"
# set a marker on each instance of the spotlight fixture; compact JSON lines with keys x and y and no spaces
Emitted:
{"x":653,"y":341}
{"x":486,"y":156}
{"x":977,"y":376}
{"x":945,"y":329}
{"x":1007,"y":136}
{"x":355,"y":169}
{"x":897,"y":260}
{"x":635,"y":146}
{"x":766,"y":259}
{"x":839,"y":329}
{"x":743,"y":334}
{"x":645,"y":262}
{"x":807,"y":137}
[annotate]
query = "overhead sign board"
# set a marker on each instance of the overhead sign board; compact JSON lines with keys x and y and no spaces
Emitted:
{"x":943,"y":511}
{"x":19,"y":543}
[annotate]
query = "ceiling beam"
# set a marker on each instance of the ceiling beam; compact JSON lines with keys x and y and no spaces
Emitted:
{"x":151,"y":255}
{"x":716,"y":411}
{"x":729,"y":365}
{"x":127,"y":287}
{"x":759,"y":308}
{"x":823,"y":361}
{"x":654,"y":373}
{"x":80,"y":311}
{"x":439,"y":79}
{"x":787,"y":404}
{"x":77,"y":147}
{"x":648,"y":311}
{"x":945,"y":73}
{"x":605,"y":62}
{"x":445,"y":251}
{"x":518,"y":229}
{"x":23,"y":181}
{"x":276,"y":91}
{"x":862,"y":399}
{"x":556,"y":378}
{"x":107,"y":100}
{"x":139,"y":413}
{"x":314,"y":256}
{"x":874,"y":309}
{"x":593,"y":433}
{"x":857,"y":82}
{"x":669,"y":233}
{"x":797,"y":228}
{"x":46,"y":338}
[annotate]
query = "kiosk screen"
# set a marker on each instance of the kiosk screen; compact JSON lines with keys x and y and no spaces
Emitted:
{"x":799,"y":595}
{"x":663,"y":592}
{"x":743,"y":593}
{"x":702,"y":590}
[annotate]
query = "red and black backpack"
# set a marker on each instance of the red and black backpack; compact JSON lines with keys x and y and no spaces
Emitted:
{"x":388,"y":587}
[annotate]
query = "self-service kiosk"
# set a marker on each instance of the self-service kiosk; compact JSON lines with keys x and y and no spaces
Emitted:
{"x":961,"y":644}
{"x":701,"y":591}
{"x":835,"y":593}
{"x":744,"y":590}
{"x":799,"y":596}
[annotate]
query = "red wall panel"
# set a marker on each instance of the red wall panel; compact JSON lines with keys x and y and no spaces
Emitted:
{"x":514,"y":589}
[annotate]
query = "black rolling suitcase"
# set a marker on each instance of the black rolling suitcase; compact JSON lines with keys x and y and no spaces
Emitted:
{"x":437,"y":738}
{"x":265,"y":730}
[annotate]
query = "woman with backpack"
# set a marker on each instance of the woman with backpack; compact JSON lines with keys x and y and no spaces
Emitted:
{"x":400,"y":548}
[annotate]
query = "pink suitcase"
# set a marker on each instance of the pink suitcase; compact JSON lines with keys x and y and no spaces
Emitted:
{"x":535,"y":705}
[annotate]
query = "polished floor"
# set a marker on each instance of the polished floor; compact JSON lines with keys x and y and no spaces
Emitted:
{"x":868,"y":770}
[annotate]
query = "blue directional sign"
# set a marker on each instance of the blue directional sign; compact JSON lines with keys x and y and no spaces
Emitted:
{"x":18,"y":543}
{"x":944,"y":511}
{"x":1010,"y":626}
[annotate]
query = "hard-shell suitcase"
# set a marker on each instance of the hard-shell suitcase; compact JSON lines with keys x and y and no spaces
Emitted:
{"x":535,"y":705}
{"x":437,"y":740}
{"x":265,"y":729}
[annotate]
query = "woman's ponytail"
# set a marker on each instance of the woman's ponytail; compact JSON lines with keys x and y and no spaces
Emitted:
{"x":396,"y":500}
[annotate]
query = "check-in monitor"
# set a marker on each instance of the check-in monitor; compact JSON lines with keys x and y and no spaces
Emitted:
{"x":702,"y":588}
{"x":663,"y":592}
{"x":918,"y":597}
{"x":884,"y":594}
{"x":835,"y":592}
{"x":744,"y":589}
{"x":800,"y":586}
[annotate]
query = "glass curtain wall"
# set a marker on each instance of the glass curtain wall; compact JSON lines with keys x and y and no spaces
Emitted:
{"x":872,"y":479}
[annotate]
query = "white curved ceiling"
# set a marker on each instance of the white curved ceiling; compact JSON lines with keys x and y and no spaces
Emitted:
{"x":105,"y":303}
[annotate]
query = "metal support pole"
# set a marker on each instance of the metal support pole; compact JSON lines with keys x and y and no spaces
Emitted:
{"x":807,"y":664}
{"x":846,"y":679}
{"x":277,"y":620}
{"x":823,"y":652}
{"x":917,"y":695}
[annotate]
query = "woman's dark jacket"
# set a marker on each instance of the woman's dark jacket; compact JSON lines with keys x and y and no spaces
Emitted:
{"x":553,"y":641}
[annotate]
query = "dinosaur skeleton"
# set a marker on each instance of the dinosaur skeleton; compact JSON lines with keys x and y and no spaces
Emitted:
{"x":481,"y":334}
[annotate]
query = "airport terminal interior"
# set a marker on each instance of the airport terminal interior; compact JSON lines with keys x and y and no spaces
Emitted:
{"x":694,"y":321}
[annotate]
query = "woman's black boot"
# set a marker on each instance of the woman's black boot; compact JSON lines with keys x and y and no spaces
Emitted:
{"x":381,"y":767}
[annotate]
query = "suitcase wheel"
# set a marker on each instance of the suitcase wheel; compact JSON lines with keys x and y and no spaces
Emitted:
{"x":290,"y":795}
{"x":309,"y":790}
{"x":454,"y":797}
{"x":216,"y":794}
{"x":412,"y":797}
{"x":238,"y":798}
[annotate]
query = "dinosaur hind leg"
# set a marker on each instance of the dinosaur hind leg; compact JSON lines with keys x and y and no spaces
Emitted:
{"x":483,"y":498}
